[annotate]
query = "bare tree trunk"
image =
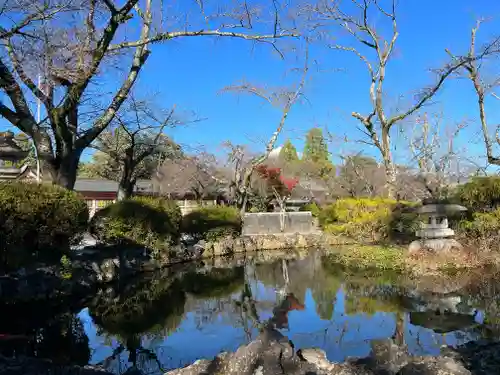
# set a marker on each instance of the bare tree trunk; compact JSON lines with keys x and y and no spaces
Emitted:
{"x":242,"y":198}
{"x":62,"y":170}
{"x":391,"y":177}
{"x":67,"y":170}
{"x":242,"y":203}
{"x":126,"y":183}
{"x":125,"y":190}
{"x":390,"y":169}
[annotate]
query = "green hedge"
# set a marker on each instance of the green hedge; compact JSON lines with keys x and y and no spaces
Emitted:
{"x":147,"y":221}
{"x":38,"y":223}
{"x":210,"y":223}
{"x":366,"y":218}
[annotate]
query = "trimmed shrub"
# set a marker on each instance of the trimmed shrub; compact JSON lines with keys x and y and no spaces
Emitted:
{"x":313,"y":208}
{"x":211,"y":223}
{"x":480,"y":194}
{"x":366,"y":218}
{"x":38,"y":223}
{"x":147,"y":221}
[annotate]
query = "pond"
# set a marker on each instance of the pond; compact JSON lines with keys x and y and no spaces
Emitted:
{"x":172,"y":318}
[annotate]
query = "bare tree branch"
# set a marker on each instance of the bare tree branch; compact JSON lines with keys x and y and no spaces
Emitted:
{"x":377,"y":123}
{"x":69,"y":58}
{"x":473,"y":71}
{"x":244,"y":171}
{"x":178,"y":34}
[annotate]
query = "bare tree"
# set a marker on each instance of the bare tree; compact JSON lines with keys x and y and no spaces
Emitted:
{"x":189,"y":175}
{"x":70,"y":45}
{"x":135,"y":145}
{"x":360,"y":176}
{"x":284,"y":99}
{"x":378,"y":124}
{"x":482,"y":88}
{"x":437,"y":155}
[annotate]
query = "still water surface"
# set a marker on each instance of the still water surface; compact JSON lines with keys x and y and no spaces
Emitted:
{"x":170,"y":320}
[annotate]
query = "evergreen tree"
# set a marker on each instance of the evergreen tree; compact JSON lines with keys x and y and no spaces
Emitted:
{"x":316,"y":149}
{"x":289,"y":153}
{"x":316,"y":155}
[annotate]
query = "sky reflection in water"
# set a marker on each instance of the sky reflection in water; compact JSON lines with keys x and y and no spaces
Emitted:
{"x":343,"y":317}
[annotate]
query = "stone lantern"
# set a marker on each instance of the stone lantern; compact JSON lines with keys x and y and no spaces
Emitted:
{"x":434,"y":232}
{"x":10,"y":152}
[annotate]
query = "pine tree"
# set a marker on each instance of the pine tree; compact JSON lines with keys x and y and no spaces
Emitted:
{"x":289,"y":153}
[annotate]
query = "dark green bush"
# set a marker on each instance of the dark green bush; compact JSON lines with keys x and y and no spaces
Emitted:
{"x":482,"y":224}
{"x":210,"y":223}
{"x":147,"y":221}
{"x":38,"y":223}
{"x":480,"y":194}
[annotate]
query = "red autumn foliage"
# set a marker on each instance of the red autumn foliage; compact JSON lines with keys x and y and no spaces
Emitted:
{"x":276,"y":180}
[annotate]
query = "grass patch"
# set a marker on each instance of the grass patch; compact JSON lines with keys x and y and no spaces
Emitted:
{"x":390,"y":258}
{"x":374,"y":258}
{"x":449,"y":263}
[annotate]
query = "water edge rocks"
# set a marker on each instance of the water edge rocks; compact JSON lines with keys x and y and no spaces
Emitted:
{"x":271,"y":353}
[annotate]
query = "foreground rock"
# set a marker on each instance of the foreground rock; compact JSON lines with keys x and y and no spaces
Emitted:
{"x":272,"y":354}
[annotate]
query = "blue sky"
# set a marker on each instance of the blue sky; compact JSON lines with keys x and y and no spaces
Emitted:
{"x":191,"y":72}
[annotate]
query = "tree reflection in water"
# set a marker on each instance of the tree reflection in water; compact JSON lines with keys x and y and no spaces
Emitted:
{"x":351,"y":309}
{"x":148,"y":322}
{"x":47,"y":331}
{"x":154,"y":308}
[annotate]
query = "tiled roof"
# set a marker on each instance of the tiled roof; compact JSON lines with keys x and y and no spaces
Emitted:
{"x":101,"y":185}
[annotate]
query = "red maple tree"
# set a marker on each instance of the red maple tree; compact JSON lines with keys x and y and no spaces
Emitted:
{"x":277,"y":183}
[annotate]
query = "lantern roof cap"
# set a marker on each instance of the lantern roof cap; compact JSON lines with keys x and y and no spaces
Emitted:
{"x":439,"y":209}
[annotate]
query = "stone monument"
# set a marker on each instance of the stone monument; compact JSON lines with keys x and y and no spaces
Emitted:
{"x":10,"y":154}
{"x":434,"y":232}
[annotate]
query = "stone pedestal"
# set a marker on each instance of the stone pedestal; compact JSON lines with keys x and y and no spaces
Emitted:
{"x":435,"y":244}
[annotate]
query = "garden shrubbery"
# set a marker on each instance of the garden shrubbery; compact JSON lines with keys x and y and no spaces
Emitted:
{"x":480,"y":194}
{"x":211,"y":223}
{"x":482,"y":224}
{"x":367,"y":218}
{"x":147,"y":221}
{"x":38,"y":223}
{"x":313,"y":208}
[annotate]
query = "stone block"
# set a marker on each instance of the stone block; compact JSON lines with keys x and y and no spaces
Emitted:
{"x":270,"y":223}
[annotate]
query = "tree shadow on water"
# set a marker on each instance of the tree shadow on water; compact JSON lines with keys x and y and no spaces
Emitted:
{"x":155,"y":307}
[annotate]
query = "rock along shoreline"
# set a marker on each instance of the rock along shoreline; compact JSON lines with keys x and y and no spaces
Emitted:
{"x":271,"y":353}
